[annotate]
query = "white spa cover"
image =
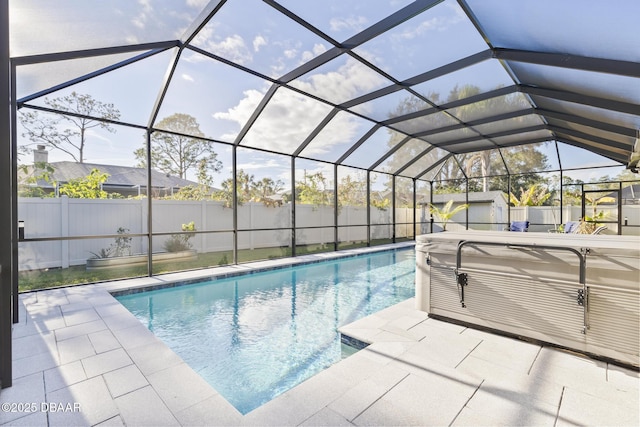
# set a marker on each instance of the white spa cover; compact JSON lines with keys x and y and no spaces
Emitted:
{"x":529,"y":284}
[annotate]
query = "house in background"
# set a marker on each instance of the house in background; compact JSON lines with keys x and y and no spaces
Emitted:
{"x":630,"y":195}
{"x":124,"y":180}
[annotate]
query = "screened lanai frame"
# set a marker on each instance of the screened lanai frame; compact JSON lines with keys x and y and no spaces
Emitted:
{"x":547,"y":88}
{"x":458,"y":136}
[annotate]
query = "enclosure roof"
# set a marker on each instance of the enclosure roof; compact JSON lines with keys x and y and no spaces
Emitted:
{"x":384,"y":85}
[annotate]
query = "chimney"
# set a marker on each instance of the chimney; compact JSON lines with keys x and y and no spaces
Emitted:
{"x":40,"y":155}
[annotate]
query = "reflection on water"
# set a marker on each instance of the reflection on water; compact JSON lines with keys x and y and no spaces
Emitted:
{"x":254,"y":337}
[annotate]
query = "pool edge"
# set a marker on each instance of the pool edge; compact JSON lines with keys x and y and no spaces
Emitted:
{"x":283,"y":263}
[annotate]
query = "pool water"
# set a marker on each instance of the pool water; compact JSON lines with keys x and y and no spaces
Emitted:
{"x":255,"y":336}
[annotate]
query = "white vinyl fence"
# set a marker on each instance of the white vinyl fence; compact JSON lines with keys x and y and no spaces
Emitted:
{"x":64,"y":217}
{"x":552,"y":217}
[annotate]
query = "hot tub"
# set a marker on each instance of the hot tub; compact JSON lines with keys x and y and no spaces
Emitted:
{"x":581,"y":292}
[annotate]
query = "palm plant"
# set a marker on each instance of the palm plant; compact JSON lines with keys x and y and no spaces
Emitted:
{"x":446,"y":213}
{"x":535,"y":195}
{"x":589,"y":223}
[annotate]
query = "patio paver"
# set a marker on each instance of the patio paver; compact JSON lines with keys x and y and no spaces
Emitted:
{"x":417,"y":371}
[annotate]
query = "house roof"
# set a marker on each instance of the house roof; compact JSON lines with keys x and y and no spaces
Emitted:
{"x":119,"y":176}
{"x":630,"y":192}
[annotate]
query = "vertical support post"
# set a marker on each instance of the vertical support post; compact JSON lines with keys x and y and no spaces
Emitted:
{"x":430,"y":204}
{"x":149,"y":208}
{"x":466,"y":200}
{"x":368,"y":208}
{"x":9,"y":230}
{"x":393,"y":208}
{"x":620,"y":208}
{"x":335,"y":207}
{"x":234,"y":201}
{"x":583,"y":209}
{"x":509,"y":203}
{"x":293,"y":206}
{"x":14,"y":192}
{"x":562,"y":221}
{"x":415,"y":206}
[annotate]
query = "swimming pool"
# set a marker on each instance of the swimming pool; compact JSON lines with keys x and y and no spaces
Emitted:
{"x":255,"y":336}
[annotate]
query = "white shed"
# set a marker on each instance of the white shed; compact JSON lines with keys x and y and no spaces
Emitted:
{"x":487,"y":211}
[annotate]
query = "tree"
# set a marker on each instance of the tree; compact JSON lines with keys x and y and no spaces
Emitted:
{"x":264,"y":189}
{"x":535,"y":195}
{"x":244,"y":185}
{"x":480,"y":160}
{"x":89,"y":187}
{"x":571,"y":191}
{"x":68,"y":132}
{"x":249,"y":190}
{"x":31,"y":176}
{"x":352,"y":192}
{"x":179,"y":152}
{"x":202,"y":190}
{"x":314,"y":190}
{"x":627,"y":175}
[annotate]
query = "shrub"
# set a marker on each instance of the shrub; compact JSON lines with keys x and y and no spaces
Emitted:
{"x":180,"y":242}
{"x":121,"y":246}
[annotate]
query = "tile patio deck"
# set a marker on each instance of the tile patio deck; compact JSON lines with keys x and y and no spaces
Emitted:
{"x":78,"y":345}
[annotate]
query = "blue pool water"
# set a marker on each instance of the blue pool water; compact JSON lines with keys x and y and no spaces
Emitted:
{"x":255,"y":336}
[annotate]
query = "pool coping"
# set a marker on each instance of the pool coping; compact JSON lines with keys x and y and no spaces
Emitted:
{"x":79,"y":345}
{"x":254,"y":267}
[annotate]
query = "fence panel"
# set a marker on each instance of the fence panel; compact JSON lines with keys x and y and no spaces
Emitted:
{"x":64,"y":217}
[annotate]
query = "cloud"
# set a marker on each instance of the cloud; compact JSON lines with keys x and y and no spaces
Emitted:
{"x":286,"y":122}
{"x":349,"y":81}
{"x":242,"y":111}
{"x":270,"y":163}
{"x":437,"y":23}
{"x":353,"y":23}
{"x":232,"y":48}
{"x":342,"y":129}
{"x":140,"y":20}
{"x":187,"y":77}
{"x":289,"y":116}
{"x":317,"y":49}
{"x":258,"y":42}
{"x":283,"y":124}
{"x":268,"y":166}
{"x":131,"y":39}
{"x":325,"y":169}
{"x":198,"y":4}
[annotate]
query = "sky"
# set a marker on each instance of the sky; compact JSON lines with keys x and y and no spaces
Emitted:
{"x":252,"y":34}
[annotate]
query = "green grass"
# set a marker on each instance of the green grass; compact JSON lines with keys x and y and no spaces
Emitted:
{"x":56,"y":277}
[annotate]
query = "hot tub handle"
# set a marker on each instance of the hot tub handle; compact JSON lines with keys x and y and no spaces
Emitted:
{"x":583,"y":294}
